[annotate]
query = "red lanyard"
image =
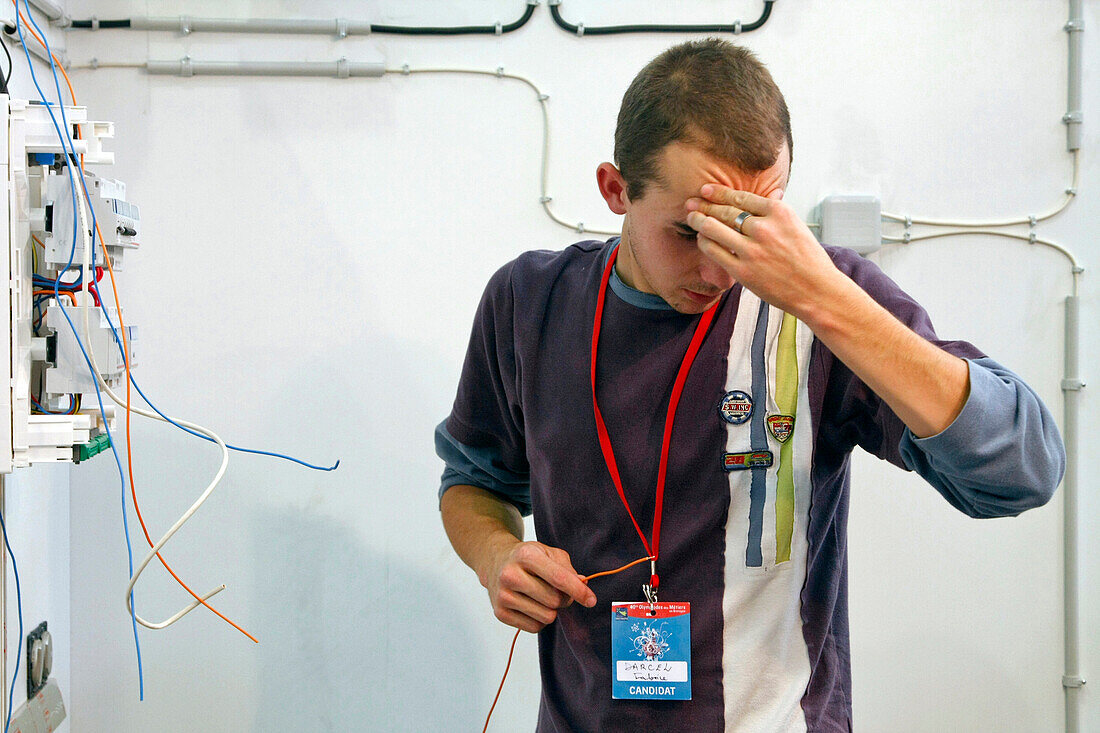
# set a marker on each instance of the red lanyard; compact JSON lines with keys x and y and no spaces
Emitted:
{"x":670,"y":417}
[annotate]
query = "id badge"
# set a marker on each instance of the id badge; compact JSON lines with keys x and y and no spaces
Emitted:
{"x":650,"y":652}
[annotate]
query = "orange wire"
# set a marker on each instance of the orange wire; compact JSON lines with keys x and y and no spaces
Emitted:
{"x":617,"y":570}
{"x":506,"y":668}
{"x":126,"y":357}
{"x":129,"y":452}
{"x":62,"y":292}
{"x":515,"y":638}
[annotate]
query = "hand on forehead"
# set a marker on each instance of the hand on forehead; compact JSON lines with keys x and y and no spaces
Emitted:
{"x":687,"y":168}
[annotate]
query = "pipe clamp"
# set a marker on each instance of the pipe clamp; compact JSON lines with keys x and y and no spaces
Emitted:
{"x":1073,"y":385}
{"x":1072,"y":681}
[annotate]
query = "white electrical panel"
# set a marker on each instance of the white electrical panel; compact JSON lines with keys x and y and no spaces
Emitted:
{"x":852,"y":221}
{"x":51,"y":397}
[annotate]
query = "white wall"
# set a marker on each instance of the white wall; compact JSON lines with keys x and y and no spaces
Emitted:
{"x":36,"y":512}
{"x":313,"y":252}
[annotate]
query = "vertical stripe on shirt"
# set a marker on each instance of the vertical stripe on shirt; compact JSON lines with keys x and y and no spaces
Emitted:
{"x":758,"y":492}
{"x":786,"y":400}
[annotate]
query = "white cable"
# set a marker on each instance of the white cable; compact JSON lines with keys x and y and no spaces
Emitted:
{"x":544,"y":199}
{"x":1077,"y":269}
{"x":1070,"y":194}
{"x":89,"y":242}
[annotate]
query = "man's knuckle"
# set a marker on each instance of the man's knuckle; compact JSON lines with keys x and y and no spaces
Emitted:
{"x":559,"y":555}
{"x":510,"y":576}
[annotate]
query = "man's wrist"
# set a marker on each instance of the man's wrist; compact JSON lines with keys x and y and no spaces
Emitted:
{"x":496,"y":545}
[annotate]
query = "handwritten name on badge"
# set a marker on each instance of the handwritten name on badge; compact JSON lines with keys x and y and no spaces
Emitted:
{"x":652,"y":671}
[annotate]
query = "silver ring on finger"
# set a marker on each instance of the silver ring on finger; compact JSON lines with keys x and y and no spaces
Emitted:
{"x":739,"y":222}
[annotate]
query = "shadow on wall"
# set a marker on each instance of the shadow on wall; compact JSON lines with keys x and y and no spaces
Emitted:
{"x":956,"y":689}
{"x":355,"y":640}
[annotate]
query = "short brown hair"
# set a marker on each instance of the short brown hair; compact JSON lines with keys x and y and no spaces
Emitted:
{"x":709,"y":93}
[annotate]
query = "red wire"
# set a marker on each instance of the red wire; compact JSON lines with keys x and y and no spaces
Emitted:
{"x":506,"y":668}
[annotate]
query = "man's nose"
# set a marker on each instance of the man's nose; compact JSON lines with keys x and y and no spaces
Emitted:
{"x":712,"y":273}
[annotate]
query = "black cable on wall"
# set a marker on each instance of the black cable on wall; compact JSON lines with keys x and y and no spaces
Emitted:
{"x":583,"y":30}
{"x":500,"y":28}
{"x":458,"y":31}
{"x":490,"y":30}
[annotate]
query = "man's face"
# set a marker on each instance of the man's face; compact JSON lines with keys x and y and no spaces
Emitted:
{"x":659,"y":253}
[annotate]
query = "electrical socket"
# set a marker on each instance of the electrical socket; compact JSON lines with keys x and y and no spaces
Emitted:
{"x":39,"y":659}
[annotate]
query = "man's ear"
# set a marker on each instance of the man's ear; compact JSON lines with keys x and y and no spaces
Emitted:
{"x":612,"y":187}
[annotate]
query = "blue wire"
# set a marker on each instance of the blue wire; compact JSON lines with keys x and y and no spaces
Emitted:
{"x":72,"y":253}
{"x":114,"y":332}
{"x":66,"y":285}
{"x":133,"y":381}
{"x":122,"y":353}
{"x":333,"y":467}
{"x":19,"y":605}
{"x":68,"y":411}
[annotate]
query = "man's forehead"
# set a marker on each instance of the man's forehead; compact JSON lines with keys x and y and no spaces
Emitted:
{"x":683,"y":168}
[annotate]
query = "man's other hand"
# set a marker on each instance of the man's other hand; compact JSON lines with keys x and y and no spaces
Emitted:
{"x":529,"y":582}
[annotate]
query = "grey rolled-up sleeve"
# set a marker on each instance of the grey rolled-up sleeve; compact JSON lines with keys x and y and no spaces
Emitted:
{"x":481,"y":467}
{"x":1002,"y":454}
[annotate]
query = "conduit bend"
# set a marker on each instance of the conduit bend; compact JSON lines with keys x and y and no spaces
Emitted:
{"x":581,"y":29}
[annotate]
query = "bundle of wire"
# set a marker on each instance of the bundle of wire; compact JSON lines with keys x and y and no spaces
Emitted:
{"x":84,"y":283}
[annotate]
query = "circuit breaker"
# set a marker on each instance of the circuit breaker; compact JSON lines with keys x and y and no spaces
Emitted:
{"x":55,"y":319}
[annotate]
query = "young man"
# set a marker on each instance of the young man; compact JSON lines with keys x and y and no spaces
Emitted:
{"x":691,"y":392}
